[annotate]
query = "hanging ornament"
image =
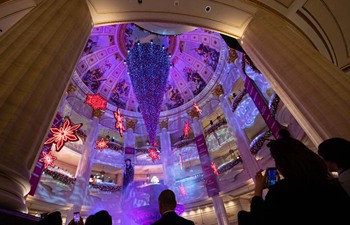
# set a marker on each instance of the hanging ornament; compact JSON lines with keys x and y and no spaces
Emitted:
{"x":196,"y":108}
{"x":48,"y":159}
{"x":187,"y":129}
{"x":215,"y":169}
{"x":119,"y":122}
{"x":63,"y":134}
{"x":182,"y":190}
{"x":96,"y":101}
{"x":101,"y":144}
{"x":153,"y":154}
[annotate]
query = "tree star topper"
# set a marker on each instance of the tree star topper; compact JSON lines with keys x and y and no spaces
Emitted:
{"x":187,"y":129}
{"x":48,"y":159}
{"x":96,"y":101}
{"x":119,"y":122}
{"x":196,"y":108}
{"x":101,"y":144}
{"x":63,"y":134}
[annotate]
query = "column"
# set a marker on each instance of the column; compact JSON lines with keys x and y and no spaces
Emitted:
{"x":129,"y":153}
{"x":249,"y":162}
{"x":83,"y":172}
{"x":315,"y":91}
{"x":166,"y":151}
{"x":209,"y":176}
{"x":38,"y":56}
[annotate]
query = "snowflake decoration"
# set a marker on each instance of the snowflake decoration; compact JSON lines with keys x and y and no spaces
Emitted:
{"x":215,"y":169}
{"x":119,"y":122}
{"x":196,"y":108}
{"x":187,"y":129}
{"x":48,"y":159}
{"x":63,"y":134}
{"x":96,"y":101}
{"x":153,"y":154}
{"x":101,"y":144}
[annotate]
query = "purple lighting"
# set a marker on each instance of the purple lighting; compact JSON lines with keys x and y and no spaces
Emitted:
{"x":148,"y":66}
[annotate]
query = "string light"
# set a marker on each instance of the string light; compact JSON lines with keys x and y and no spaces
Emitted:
{"x":148,"y":66}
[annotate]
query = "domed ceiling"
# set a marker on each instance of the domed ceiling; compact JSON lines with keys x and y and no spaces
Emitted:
{"x":194,"y":57}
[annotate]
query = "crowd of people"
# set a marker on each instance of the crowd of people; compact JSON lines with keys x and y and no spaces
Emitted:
{"x":306,"y":191}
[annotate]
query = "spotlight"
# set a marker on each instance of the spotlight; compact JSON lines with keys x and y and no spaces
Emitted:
{"x":139,"y":1}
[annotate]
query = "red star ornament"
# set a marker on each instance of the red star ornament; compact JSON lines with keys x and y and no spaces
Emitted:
{"x":119,"y":122}
{"x":96,"y":101}
{"x":101,"y":144}
{"x":63,"y":134}
{"x":48,"y":159}
{"x":153,"y":154}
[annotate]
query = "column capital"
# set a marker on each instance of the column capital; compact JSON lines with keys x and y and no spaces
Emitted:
{"x":71,"y":88}
{"x":130,"y":124}
{"x":193,"y":113}
{"x":98,"y":113}
{"x":218,"y":90}
{"x":232,"y":56}
{"x":164,"y":124}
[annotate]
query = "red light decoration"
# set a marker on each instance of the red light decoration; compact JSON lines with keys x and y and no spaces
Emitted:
{"x":196,"y":108}
{"x":96,"y":101}
{"x":215,"y":169}
{"x":119,"y":122}
{"x":63,"y":134}
{"x":153,"y":154}
{"x":187,"y":129}
{"x":48,"y":159}
{"x":182,"y":190}
{"x":101,"y":144}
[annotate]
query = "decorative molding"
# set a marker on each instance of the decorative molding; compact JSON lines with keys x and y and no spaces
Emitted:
{"x":164,"y":124}
{"x":98,"y":113}
{"x":232,"y":56}
{"x":71,"y":88}
{"x":218,"y":90}
{"x":193,"y":113}
{"x":130,"y":124}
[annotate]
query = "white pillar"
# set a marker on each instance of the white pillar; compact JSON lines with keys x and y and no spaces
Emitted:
{"x":83,"y":172}
{"x":249,"y":162}
{"x":166,"y":152}
{"x":38,"y":55}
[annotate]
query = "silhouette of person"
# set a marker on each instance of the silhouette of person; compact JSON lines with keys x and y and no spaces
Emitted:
{"x":54,"y":218}
{"x":336,"y":153}
{"x":167,"y":204}
{"x":306,"y":194}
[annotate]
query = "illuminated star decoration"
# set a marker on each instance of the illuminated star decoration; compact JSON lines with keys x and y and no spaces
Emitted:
{"x":119,"y":122}
{"x":96,"y":101}
{"x":148,"y":67}
{"x":182,"y":190}
{"x":187,"y":129}
{"x":63,"y":134}
{"x":153,"y":153}
{"x":215,"y":169}
{"x":196,"y":108}
{"x":101,"y":144}
{"x":48,"y":159}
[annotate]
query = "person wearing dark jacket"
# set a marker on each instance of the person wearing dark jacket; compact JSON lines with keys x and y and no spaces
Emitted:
{"x":306,"y":194}
{"x":167,"y":204}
